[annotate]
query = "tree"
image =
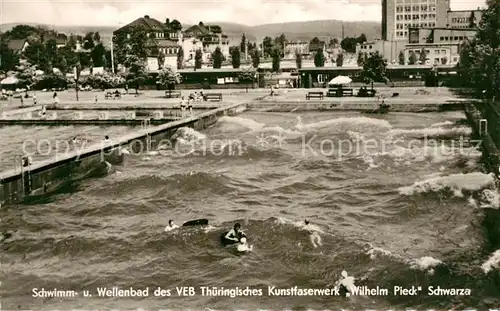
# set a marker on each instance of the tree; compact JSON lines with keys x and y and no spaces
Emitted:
{"x":243,"y":44}
{"x":235,"y":56}
{"x":401,"y":58}
{"x":423,"y":56}
{"x":276,"y":57}
{"x":97,"y":37}
{"x":267,"y":46}
{"x":280,"y":42}
{"x":168,"y":78}
{"x":26,"y":74}
{"x":340,"y":60}
{"x":255,"y":55}
{"x":349,"y":44}
{"x":412,"y":59}
{"x":136,"y":74}
{"x":138,"y":43}
{"x":198,"y":59}
{"x":374,"y":69}
{"x":298,"y":59}
{"x":444,"y":61}
{"x":247,"y":77}
{"x":88,"y":41}
{"x":217,"y":58}
{"x":361,"y":59}
{"x":175,"y":25}
{"x":20,"y":32}
{"x":361,"y":38}
{"x":8,"y":59}
{"x":319,"y":58}
{"x":180,"y":58}
{"x":161,"y":59}
{"x":98,"y":53}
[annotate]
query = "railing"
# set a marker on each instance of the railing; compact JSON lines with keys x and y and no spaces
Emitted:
{"x":491,"y":114}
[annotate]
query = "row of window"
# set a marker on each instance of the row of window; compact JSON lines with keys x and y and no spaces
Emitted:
{"x":460,"y":20}
{"x":414,"y":25}
{"x":416,"y":8}
{"x":366,"y":47}
{"x":415,"y":1}
{"x":455,"y":38}
{"x":406,"y":17}
{"x":169,"y":51}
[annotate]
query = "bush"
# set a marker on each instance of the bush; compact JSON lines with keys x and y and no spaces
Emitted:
{"x":50,"y":81}
{"x":103,"y":82}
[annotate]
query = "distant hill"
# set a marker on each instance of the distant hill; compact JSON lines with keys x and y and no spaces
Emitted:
{"x":292,"y":30}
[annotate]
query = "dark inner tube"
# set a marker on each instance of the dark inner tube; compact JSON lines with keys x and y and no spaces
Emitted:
{"x":226,"y":242}
{"x":196,"y":222}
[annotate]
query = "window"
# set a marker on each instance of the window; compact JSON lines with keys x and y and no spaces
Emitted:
{"x":370,"y":47}
{"x":321,"y":78}
{"x":456,"y":38}
{"x":441,"y":38}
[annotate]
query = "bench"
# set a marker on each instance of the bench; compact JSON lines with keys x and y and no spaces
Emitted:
{"x":366,"y":93}
{"x":213,"y":96}
{"x":348,"y":92}
{"x":172,"y":94}
{"x":110,"y":95}
{"x":319,"y":95}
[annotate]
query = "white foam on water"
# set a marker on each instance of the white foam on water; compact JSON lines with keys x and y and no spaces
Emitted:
{"x":425,"y":263}
{"x":351,"y":122}
{"x":432,"y":132}
{"x":455,"y":183}
{"x":373,"y":252}
{"x":188,"y":134}
{"x":441,"y":124}
{"x":299,"y":224}
{"x":490,"y":198}
{"x":244,"y":122}
{"x":492,"y":263}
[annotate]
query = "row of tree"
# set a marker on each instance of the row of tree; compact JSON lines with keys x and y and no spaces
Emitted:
{"x":43,"y":51}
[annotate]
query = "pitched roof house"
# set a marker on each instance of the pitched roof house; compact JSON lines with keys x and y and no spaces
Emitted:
{"x":18,"y":46}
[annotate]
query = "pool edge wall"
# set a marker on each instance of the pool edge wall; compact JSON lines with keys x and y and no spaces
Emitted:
{"x":57,"y":173}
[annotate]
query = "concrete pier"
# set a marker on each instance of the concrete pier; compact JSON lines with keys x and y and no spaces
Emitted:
{"x":98,"y":122}
{"x":23,"y":183}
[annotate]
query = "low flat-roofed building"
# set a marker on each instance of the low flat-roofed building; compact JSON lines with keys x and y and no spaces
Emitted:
{"x":441,"y":45}
{"x":464,"y":19}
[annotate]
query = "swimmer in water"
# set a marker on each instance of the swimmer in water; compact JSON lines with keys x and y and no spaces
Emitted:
{"x":346,"y":283}
{"x":313,"y":235}
{"x":235,"y":234}
{"x":171,"y":226}
{"x":243,"y":246}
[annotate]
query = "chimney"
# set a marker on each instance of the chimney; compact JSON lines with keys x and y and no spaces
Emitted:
{"x":146,"y":16}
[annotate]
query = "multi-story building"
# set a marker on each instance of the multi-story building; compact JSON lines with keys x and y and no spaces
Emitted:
{"x":210,"y":37}
{"x":169,"y":38}
{"x":398,"y":16}
{"x":294,"y":47}
{"x":401,"y":16}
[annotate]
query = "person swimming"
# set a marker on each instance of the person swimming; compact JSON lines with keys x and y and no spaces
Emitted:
{"x":313,"y":235}
{"x":346,"y":283}
{"x":171,"y":226}
{"x":243,"y":245}
{"x":233,"y":236}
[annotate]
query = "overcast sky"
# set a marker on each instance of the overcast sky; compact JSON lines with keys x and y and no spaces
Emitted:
{"x":249,"y":12}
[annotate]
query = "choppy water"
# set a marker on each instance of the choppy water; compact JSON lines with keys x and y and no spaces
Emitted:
{"x":403,"y":214}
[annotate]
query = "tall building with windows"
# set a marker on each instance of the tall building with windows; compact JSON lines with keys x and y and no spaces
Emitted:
{"x":398,"y":16}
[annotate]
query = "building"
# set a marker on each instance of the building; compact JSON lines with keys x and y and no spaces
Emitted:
{"x":168,"y":38}
{"x":293,"y":47}
{"x":441,"y":45}
{"x":209,"y":38}
{"x":398,"y":16}
{"x":18,"y":46}
{"x":464,"y":19}
{"x":401,"y":16}
{"x":162,"y":38}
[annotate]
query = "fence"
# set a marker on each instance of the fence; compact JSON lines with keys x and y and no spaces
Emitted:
{"x":490,"y":112}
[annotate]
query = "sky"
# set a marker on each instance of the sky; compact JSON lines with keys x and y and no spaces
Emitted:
{"x":248,"y":12}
